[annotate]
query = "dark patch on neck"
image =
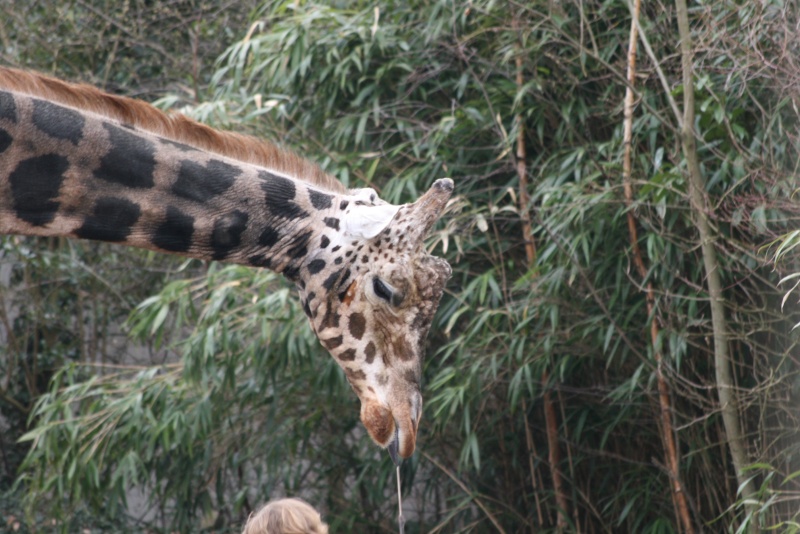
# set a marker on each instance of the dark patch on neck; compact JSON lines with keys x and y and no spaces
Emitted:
{"x":58,"y":121}
{"x":291,"y":272}
{"x":260,"y":261}
{"x":227,"y":233}
{"x":8,"y":108}
{"x":180,"y":146}
{"x":280,"y":193}
{"x":320,"y":201}
{"x":111,"y":220}
{"x":269,"y":236}
{"x":298,"y":247}
{"x":175,"y":233}
{"x":332,"y":222}
{"x":35,"y":183}
{"x":131,"y":160}
{"x":201,"y":183}
{"x":5,"y":140}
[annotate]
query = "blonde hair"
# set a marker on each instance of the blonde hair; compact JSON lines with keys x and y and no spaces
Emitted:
{"x":286,"y":516}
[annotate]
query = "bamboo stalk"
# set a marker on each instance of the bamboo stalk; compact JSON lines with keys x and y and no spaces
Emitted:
{"x":531,"y":455}
{"x":666,"y":427}
{"x":522,"y":173}
{"x":701,"y":209}
{"x":554,"y":456}
{"x":551,"y":421}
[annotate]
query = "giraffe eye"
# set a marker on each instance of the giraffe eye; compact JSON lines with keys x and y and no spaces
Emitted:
{"x":382,"y":289}
{"x":387,"y":292}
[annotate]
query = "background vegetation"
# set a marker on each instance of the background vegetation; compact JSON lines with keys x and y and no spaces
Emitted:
{"x":574,"y":373}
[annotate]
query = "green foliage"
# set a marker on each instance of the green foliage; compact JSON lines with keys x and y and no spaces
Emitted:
{"x":192,"y":433}
{"x":395,"y":96}
{"x":70,"y":318}
{"x":136,"y":47}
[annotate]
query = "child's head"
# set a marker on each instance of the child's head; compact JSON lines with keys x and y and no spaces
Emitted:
{"x":286,"y":516}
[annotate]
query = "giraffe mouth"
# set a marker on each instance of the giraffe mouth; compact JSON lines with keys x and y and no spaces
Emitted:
{"x":393,"y":448}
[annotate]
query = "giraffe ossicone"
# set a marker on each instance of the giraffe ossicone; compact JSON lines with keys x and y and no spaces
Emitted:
{"x":80,"y":163}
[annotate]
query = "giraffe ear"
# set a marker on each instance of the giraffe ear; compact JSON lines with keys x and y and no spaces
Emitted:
{"x":365,"y":222}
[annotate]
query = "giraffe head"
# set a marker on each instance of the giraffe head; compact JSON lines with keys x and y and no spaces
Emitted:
{"x":373,"y":309}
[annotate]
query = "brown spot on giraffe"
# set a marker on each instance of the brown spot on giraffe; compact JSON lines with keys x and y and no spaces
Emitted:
{"x":369,"y":352}
{"x":332,"y":342}
{"x":356,"y":375}
{"x":402,"y":349}
{"x":347,"y":356}
{"x":357,"y":324}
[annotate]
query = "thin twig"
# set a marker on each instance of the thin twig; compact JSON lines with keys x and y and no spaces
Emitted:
{"x":401,"y":521}
{"x":656,"y":65}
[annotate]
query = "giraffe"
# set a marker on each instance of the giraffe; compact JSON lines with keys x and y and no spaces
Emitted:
{"x":80,"y":163}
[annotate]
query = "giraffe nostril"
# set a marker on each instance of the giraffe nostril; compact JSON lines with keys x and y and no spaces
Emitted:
{"x":416,"y":408}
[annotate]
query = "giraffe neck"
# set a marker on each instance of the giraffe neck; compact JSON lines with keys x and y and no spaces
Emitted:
{"x":68,"y":172}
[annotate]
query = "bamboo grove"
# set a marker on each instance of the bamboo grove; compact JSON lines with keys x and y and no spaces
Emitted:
{"x":615,"y":352}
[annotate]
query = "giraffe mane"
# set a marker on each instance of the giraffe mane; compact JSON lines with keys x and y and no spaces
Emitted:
{"x":174,"y":126}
